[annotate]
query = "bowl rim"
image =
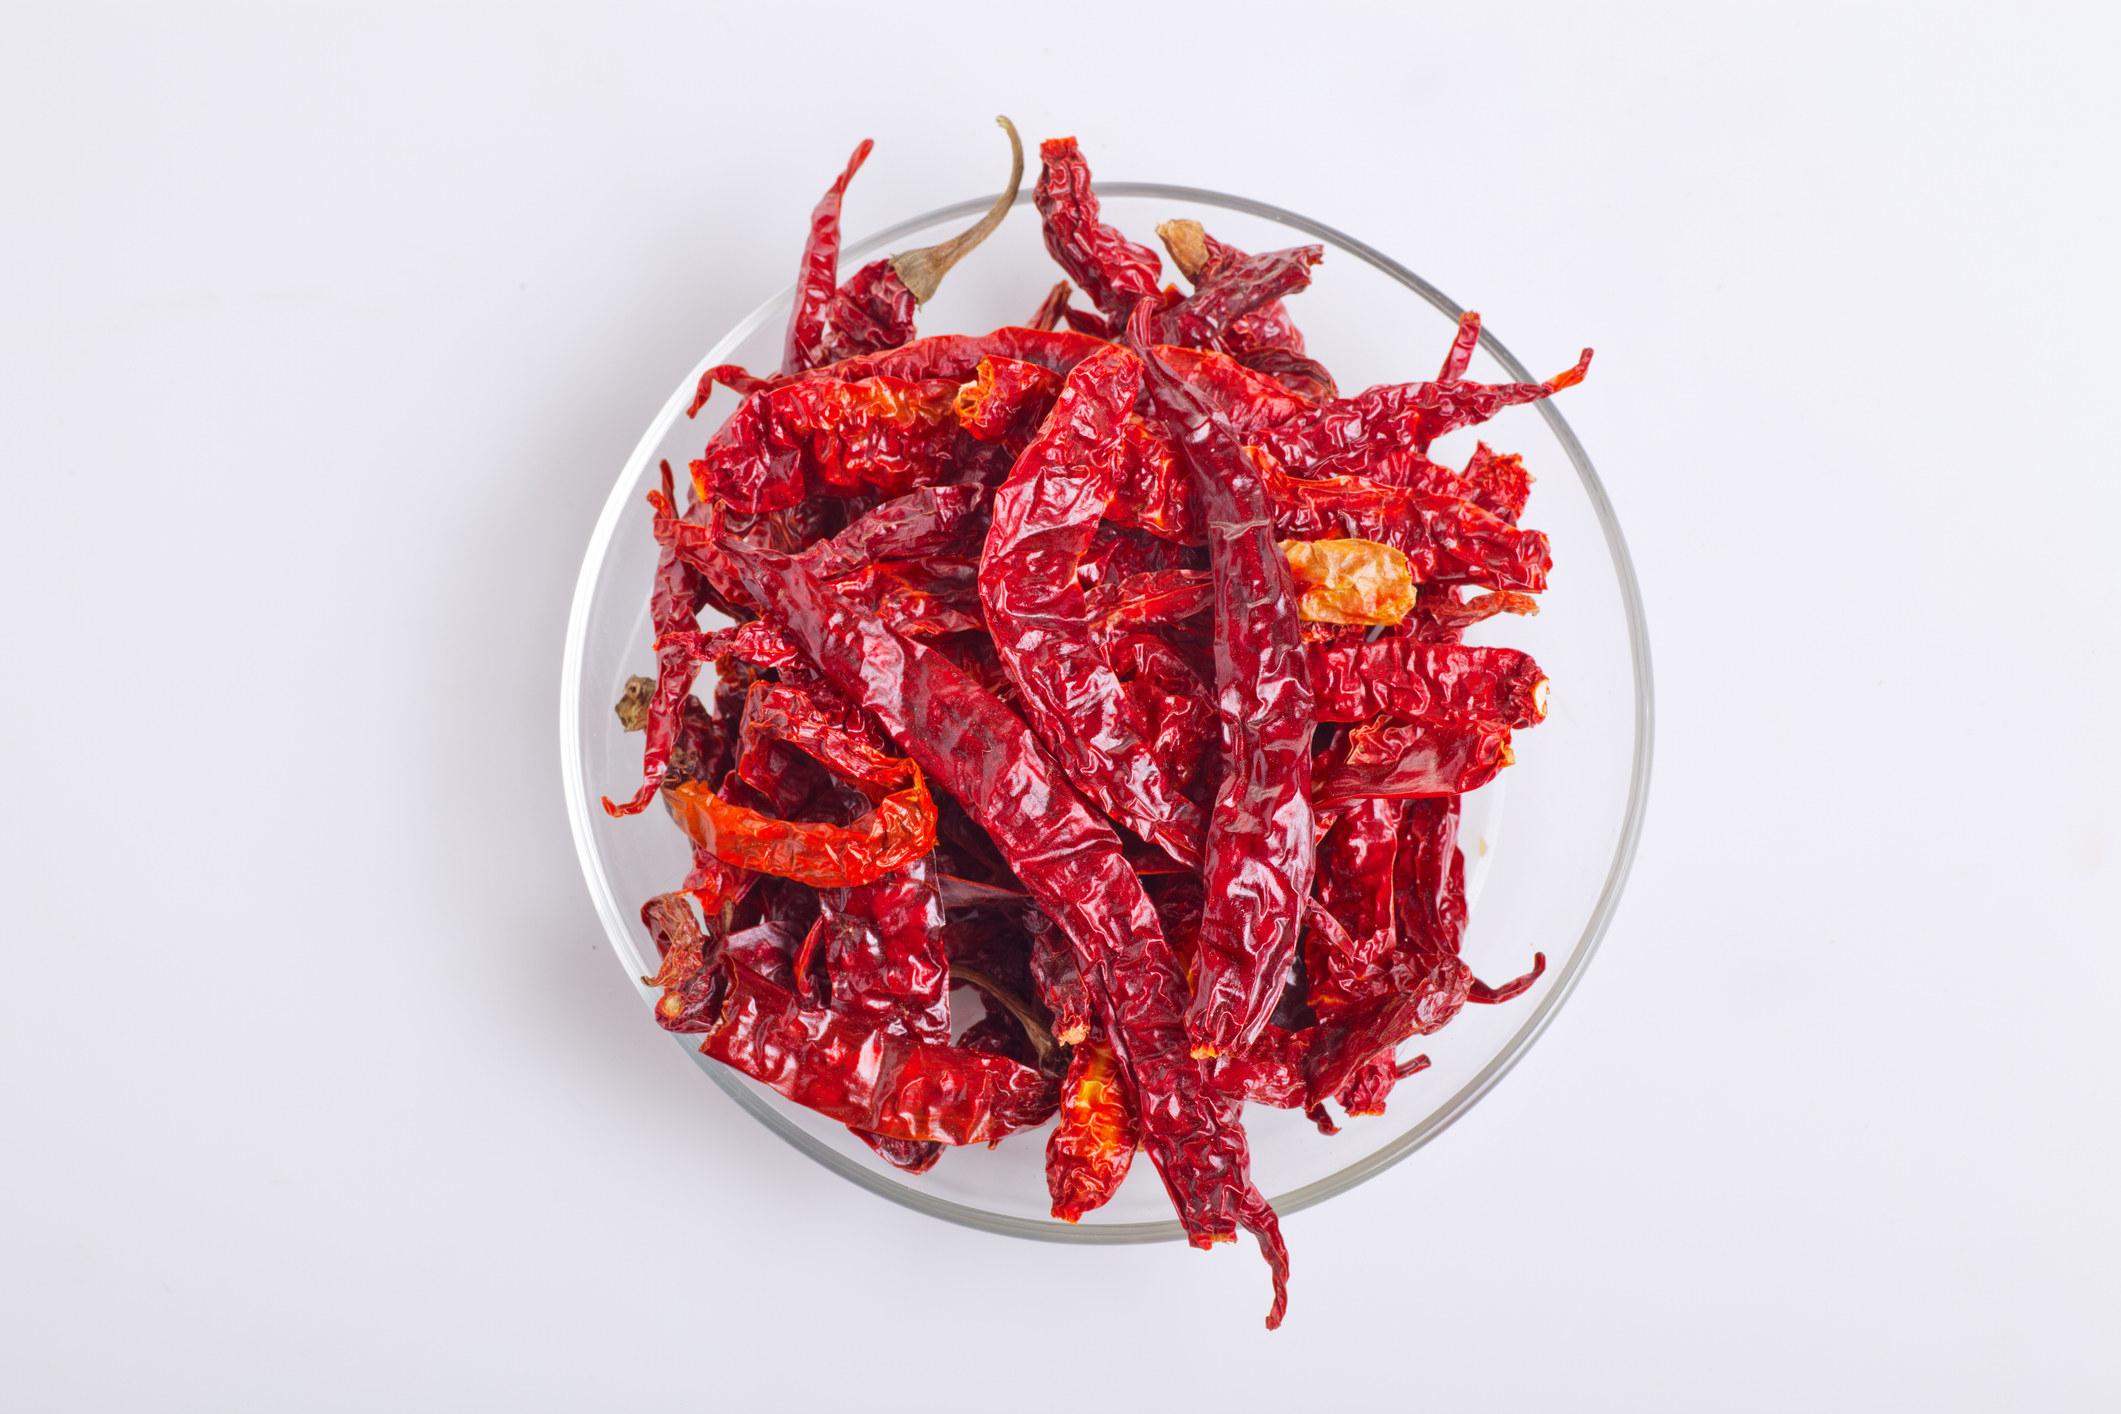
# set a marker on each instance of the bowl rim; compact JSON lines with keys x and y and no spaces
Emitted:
{"x":1166,"y":1230}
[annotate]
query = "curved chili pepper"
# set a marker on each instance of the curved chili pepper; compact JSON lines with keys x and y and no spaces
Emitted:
{"x":1230,"y":286}
{"x":1044,"y":517}
{"x":804,"y":345}
{"x":1264,"y":339}
{"x":827,"y":728}
{"x":1410,"y":415}
{"x":1440,"y":616}
{"x":1112,"y":271}
{"x":865,"y":1077}
{"x":1260,"y":843}
{"x":1071,"y":863}
{"x":823,"y":856}
{"x":1401,"y":759}
{"x":900,"y":827}
{"x":928,"y":521}
{"x":1093,"y":1145}
{"x":1408,"y":678}
{"x":874,"y":309}
{"x":673,"y":607}
{"x":1442,"y":538}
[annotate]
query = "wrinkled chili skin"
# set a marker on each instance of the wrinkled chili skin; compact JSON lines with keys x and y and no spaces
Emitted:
{"x":1260,"y":839}
{"x":873,"y":311}
{"x":1410,"y":415}
{"x":1005,"y":400}
{"x":819,"y":275}
{"x":867,"y":1078}
{"x":1409,"y":679}
{"x":1395,"y":760}
{"x":883,"y":950}
{"x":823,"y":437}
{"x":1070,"y":861}
{"x":673,"y":607}
{"x":1231,"y":288}
{"x":1111,"y":270}
{"x":1092,"y":1147}
{"x":1044,"y":518}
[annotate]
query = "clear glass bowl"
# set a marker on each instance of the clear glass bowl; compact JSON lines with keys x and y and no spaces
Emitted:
{"x":1543,"y":874}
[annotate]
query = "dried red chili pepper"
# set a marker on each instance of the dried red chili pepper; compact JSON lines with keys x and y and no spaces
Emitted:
{"x":1260,"y":845}
{"x":1093,"y":1145}
{"x":820,"y":273}
{"x":1044,"y":517}
{"x":867,"y":1078}
{"x":1231,"y":285}
{"x":1442,"y":538}
{"x":820,"y":436}
{"x":1440,"y":616}
{"x":1408,"y":678}
{"x":1400,"y":759}
{"x":1336,"y":438}
{"x":673,"y":607}
{"x":1112,"y":271}
{"x":1264,"y":339}
{"x":900,"y":827}
{"x":874,"y":309}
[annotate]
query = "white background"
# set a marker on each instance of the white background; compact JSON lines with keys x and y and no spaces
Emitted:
{"x":324,"y":333}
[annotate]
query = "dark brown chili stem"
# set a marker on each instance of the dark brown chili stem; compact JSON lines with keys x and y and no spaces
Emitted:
{"x":1050,"y":1058}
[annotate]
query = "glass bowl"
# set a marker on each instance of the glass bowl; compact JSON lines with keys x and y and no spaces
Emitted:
{"x":1548,"y":845}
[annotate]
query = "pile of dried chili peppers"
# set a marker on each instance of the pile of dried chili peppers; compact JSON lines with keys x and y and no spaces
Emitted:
{"x":1113,"y":671}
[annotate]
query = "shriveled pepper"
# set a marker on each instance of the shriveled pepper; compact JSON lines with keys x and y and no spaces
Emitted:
{"x":1333,"y":439}
{"x":1006,"y":399}
{"x":1093,"y":1145}
{"x":1408,"y":678}
{"x":900,"y":826}
{"x":874,"y":309}
{"x":1112,"y":271}
{"x":1260,"y":844}
{"x":1402,"y":759}
{"x":865,"y":1077}
{"x":1264,"y":338}
{"x":1044,"y":517}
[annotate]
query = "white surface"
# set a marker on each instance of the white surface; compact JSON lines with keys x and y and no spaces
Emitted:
{"x":323,"y":336}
